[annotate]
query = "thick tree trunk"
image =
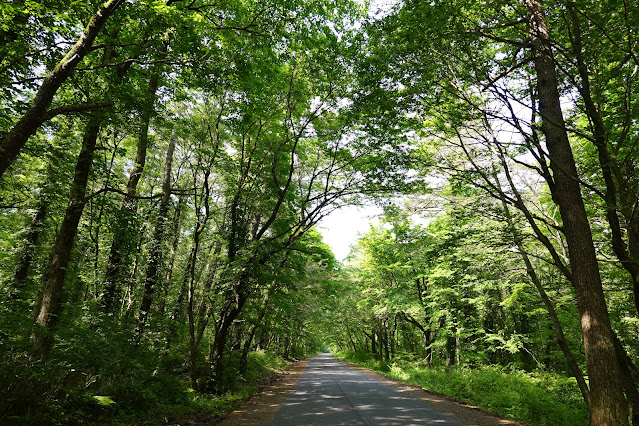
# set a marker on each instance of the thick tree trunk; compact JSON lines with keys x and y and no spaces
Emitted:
{"x":155,"y":253}
{"x":13,"y":142}
{"x":53,"y":277}
{"x":607,"y":403}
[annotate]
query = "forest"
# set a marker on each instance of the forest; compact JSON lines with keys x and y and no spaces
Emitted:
{"x":164,"y":165}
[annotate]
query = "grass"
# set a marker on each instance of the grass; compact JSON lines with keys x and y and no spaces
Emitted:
{"x":538,"y":398}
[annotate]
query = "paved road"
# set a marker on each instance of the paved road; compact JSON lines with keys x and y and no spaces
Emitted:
{"x":331,"y":393}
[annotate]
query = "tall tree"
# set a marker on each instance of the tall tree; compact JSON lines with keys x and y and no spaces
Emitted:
{"x":157,"y":244}
{"x":53,"y":277}
{"x":607,"y":403}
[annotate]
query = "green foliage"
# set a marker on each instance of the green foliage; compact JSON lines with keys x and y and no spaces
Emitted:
{"x":114,"y":389}
{"x":92,"y":374}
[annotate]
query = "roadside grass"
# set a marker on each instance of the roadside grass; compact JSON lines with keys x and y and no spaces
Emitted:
{"x":538,"y":398}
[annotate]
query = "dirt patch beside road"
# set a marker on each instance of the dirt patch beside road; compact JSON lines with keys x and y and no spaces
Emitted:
{"x":262,"y":407}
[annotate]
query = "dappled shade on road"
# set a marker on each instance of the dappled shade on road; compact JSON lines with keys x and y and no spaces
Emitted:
{"x":331,"y":393}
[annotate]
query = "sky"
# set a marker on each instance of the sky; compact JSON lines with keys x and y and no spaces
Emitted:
{"x":342,"y":227}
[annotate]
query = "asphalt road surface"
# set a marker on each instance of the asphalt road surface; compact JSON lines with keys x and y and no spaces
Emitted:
{"x":329,"y":392}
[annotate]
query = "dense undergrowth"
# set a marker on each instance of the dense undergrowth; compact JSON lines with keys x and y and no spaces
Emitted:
{"x":539,"y":398}
{"x":98,"y":387}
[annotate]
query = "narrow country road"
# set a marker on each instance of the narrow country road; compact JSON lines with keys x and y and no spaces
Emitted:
{"x":330,"y":392}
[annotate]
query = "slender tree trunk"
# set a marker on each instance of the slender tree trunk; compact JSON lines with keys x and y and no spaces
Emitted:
{"x":557,"y":327}
{"x":451,"y":348}
{"x":155,"y":254}
{"x":384,"y":335}
{"x":53,"y":277}
{"x":22,"y":271}
{"x":13,"y":141}
{"x":607,"y":403}
{"x":200,"y":226}
{"x":606,"y":163}
{"x":630,"y":378}
{"x":287,"y":347}
{"x":550,"y":308}
{"x":125,"y":226}
{"x":392,"y":334}
{"x":189,"y":310}
{"x":175,"y":231}
{"x":205,"y":309}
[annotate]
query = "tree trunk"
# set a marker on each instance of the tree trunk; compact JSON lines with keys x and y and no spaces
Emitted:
{"x":13,"y":142}
{"x":608,"y":405}
{"x":225,"y":322}
{"x":205,"y":309}
{"x":189,"y":309}
{"x":392,"y":335}
{"x":630,"y":379}
{"x":451,"y":348}
{"x":22,"y":271}
{"x":125,"y":226}
{"x":175,"y":231}
{"x":53,"y":277}
{"x":155,"y":253}
{"x":621,"y":250}
{"x":373,"y":345}
{"x":386,"y":343}
{"x":287,"y":347}
{"x":251,"y":334}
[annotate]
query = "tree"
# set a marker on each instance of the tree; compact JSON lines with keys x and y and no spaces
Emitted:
{"x":607,"y":403}
{"x":51,"y":304}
